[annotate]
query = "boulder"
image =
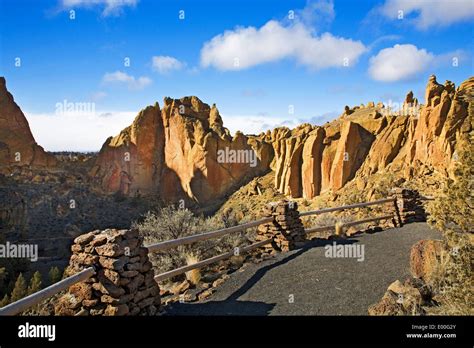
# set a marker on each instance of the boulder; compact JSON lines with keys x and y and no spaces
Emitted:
{"x":424,"y":256}
{"x":400,"y":299}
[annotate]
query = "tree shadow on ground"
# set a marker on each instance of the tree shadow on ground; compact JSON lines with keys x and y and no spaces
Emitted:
{"x":231,"y":305}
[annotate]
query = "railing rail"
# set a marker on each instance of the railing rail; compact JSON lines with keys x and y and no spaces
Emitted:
{"x":200,"y":264}
{"x":350,"y":206}
{"x":348,"y":224}
{"x":204,"y":236}
{"x":33,"y":299}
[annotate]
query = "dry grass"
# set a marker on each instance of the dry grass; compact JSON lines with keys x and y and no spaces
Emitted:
{"x":237,"y":260}
{"x":193,"y":276}
{"x":323,"y":220}
{"x":339,"y":229}
{"x":452,"y":280}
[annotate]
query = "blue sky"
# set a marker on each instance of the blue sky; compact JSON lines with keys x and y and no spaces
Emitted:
{"x":256,"y":60}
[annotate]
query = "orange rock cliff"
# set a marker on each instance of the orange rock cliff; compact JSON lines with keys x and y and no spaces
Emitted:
{"x":183,"y":151}
{"x":17,"y":145}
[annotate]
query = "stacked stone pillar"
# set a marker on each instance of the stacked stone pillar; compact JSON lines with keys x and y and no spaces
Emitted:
{"x":124,"y":281}
{"x":286,"y":228}
{"x":409,"y":204}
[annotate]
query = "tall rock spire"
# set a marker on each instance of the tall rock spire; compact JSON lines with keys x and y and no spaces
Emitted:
{"x":17,"y":144}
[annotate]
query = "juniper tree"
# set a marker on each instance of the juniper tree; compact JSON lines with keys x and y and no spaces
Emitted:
{"x":452,"y":214}
{"x":19,"y":291}
{"x":54,"y":275}
{"x":4,"y":301}
{"x":35,"y":283}
{"x":454,"y":207}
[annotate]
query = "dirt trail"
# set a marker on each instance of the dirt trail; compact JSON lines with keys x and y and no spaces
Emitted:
{"x":305,"y":282}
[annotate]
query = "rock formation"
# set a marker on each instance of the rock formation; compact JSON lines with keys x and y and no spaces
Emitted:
{"x":17,"y":145}
{"x":133,"y":159}
{"x":181,"y":151}
{"x":370,"y":139}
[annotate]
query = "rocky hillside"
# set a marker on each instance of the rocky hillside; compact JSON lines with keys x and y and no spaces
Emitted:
{"x":183,"y":151}
{"x":174,"y":151}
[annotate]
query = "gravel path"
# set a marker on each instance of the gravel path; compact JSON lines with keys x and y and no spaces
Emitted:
{"x":305,"y":282}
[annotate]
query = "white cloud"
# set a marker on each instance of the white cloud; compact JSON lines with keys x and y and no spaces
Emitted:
{"x":243,"y":48}
{"x":88,"y":131}
{"x":77,"y":131}
{"x":130,"y":81}
{"x":111,"y":7}
{"x":316,"y":13}
{"x":165,"y":64}
{"x":430,"y":13}
{"x":399,"y":62}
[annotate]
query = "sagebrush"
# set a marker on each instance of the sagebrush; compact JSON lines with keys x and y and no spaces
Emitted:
{"x":172,"y":223}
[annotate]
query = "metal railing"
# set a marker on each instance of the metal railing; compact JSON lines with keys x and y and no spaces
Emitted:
{"x":210,"y":260}
{"x":33,"y":299}
{"x":205,"y":236}
{"x":351,"y":206}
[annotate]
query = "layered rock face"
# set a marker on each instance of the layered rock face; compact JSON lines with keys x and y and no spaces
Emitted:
{"x":428,"y":141}
{"x":174,"y":151}
{"x":181,"y":151}
{"x":132,"y":161}
{"x":368,"y":139}
{"x":311,"y":159}
{"x":17,"y":145}
{"x":442,"y":118}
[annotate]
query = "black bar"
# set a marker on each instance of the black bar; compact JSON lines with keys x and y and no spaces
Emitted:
{"x":161,"y":330}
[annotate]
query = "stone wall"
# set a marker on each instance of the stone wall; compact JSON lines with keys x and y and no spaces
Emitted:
{"x":124,"y":281}
{"x":286,"y":229}
{"x":409,"y":205}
